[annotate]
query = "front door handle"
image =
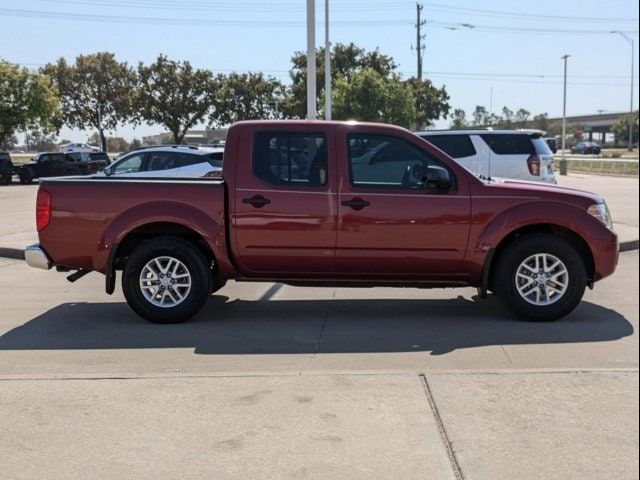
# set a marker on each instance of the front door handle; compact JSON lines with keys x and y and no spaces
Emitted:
{"x":356,"y":203}
{"x":257,"y":201}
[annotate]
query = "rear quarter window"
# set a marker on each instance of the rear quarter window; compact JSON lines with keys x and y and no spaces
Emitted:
{"x":456,"y":146}
{"x":509,"y":144}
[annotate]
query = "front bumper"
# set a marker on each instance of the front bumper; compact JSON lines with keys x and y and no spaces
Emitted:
{"x":36,"y":257}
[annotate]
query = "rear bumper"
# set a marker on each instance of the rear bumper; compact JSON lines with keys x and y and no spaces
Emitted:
{"x":36,"y":257}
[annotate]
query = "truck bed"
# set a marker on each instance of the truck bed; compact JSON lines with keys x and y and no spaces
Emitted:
{"x":91,"y":215}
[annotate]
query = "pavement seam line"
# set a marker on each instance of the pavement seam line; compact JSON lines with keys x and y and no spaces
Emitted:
{"x":455,"y":466}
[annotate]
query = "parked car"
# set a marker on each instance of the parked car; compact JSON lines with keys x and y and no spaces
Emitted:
{"x":78,"y":147}
{"x":168,"y":161}
{"x":518,"y":154}
{"x":586,"y":148}
{"x":553,"y":144}
{"x":55,"y":164}
{"x":326,"y":203}
{"x":6,"y":168}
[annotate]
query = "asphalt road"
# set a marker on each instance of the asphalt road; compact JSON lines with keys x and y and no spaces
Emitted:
{"x":270,"y":381}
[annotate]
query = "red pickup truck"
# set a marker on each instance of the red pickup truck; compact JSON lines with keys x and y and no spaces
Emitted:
{"x":318,"y":203}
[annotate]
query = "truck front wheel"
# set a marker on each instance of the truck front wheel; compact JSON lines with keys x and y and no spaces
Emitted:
{"x":166,"y":280}
{"x":540,"y":277}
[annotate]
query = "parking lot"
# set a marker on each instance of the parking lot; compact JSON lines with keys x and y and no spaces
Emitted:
{"x":271,"y":381}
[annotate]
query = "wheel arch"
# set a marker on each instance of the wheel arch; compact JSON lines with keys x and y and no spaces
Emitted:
{"x":565,"y":233}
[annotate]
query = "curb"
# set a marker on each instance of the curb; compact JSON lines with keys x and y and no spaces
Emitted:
{"x":18,"y":254}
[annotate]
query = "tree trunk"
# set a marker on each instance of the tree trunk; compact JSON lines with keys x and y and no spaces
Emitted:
{"x":103,"y":140}
{"x":178,"y":137}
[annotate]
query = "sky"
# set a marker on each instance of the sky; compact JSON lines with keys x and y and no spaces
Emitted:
{"x":495,"y":52}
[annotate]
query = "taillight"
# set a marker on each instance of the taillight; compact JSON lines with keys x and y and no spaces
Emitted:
{"x":533,"y":162}
{"x":43,"y":209}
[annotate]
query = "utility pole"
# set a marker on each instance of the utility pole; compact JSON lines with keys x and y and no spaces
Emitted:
{"x":632,"y":43}
{"x":327,"y":64}
{"x":419,"y":38}
{"x":311,"y":59}
{"x":563,"y":162}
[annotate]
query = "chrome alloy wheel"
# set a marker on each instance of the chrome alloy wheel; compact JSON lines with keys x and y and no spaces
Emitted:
{"x":542,"y":279}
{"x":165,"y":282}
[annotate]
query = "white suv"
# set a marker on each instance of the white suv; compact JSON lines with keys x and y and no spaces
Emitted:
{"x":519,"y":154}
{"x":173,"y":161}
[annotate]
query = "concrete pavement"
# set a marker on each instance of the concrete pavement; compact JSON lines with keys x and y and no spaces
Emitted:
{"x":270,"y":381}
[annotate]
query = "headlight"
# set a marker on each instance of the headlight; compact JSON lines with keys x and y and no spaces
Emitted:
{"x":601,"y":212}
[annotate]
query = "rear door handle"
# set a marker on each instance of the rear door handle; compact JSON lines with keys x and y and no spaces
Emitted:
{"x":356,"y":203}
{"x":257,"y":201}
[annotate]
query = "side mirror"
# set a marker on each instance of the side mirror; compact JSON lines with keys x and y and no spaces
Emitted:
{"x":436,"y":178}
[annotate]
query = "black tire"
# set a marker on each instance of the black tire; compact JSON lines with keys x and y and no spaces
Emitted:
{"x":197,"y":265}
{"x":5,"y":179}
{"x":26,"y":178}
{"x":504,"y":280}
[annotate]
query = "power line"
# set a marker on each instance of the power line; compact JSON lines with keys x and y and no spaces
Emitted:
{"x":279,"y":23}
{"x":354,"y":6}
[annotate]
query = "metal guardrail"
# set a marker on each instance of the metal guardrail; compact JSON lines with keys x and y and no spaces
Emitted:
{"x":600,"y":165}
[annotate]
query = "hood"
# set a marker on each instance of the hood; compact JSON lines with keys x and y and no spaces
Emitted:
{"x":546,"y":191}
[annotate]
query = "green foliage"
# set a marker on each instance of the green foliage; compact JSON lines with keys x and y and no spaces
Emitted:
{"x":242,"y":96}
{"x":430,"y":103}
{"x":369,"y":96}
{"x":480,"y":116}
{"x":135,"y":143}
{"x":346,"y":60}
{"x":621,"y":129}
{"x":27,"y":101}
{"x":175,"y":95}
{"x":96,"y":92}
{"x":541,"y":122}
{"x":458,"y":120}
{"x":41,"y":141}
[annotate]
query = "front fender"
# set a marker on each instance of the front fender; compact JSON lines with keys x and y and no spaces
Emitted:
{"x":489,"y":237}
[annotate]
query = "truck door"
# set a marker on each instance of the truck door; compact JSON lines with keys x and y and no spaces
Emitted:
{"x":285,"y":202}
{"x":389,"y":223}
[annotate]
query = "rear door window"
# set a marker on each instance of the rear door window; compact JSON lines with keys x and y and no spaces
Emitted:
{"x":293,"y":159}
{"x":215,"y":159}
{"x":158,"y":161}
{"x":509,"y":144}
{"x":456,"y":146}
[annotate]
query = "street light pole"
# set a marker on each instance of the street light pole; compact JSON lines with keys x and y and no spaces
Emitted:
{"x":631,"y":42}
{"x":563,"y":162}
{"x":327,"y":64}
{"x":311,"y":59}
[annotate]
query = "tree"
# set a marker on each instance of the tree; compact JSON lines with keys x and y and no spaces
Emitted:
{"x":135,"y":144}
{"x":346,"y":60}
{"x":458,"y":120}
{"x":174,"y":95}
{"x":480,"y":116}
{"x":369,"y":96}
{"x":41,"y":140}
{"x":621,"y":129}
{"x":521,"y":118}
{"x":430,"y":103}
{"x":27,"y":101}
{"x":9,"y":143}
{"x":541,"y":122}
{"x":96,"y":92}
{"x":242,"y":96}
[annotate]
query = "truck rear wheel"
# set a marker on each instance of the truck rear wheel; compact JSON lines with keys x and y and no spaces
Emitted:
{"x":540,"y":278}
{"x":166,"y":280}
